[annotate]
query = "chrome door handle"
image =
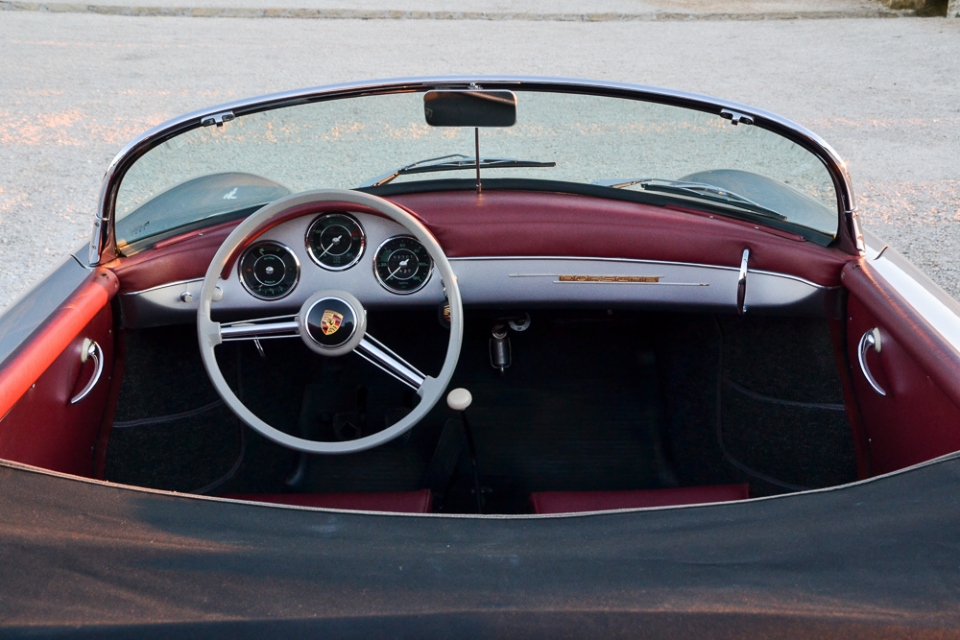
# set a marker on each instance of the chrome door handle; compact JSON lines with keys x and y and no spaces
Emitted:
{"x":870,"y":340}
{"x":90,"y":349}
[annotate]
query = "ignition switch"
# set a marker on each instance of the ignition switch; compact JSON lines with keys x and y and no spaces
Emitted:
{"x":501,"y":353}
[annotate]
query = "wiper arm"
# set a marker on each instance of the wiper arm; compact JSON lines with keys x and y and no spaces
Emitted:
{"x":452,"y":162}
{"x":698,"y":189}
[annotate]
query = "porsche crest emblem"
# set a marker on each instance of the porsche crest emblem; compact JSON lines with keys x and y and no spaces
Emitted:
{"x":330,"y":322}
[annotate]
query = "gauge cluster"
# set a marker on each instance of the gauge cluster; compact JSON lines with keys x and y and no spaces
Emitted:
{"x":336,"y":257}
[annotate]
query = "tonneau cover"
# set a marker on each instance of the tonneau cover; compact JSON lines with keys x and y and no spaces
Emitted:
{"x":879,"y":559}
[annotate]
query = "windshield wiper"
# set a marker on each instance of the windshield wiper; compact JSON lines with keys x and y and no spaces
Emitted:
{"x":452,"y":162}
{"x":696,"y":189}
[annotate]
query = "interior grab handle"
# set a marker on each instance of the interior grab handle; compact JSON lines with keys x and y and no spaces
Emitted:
{"x":90,"y":349}
{"x":870,"y":340}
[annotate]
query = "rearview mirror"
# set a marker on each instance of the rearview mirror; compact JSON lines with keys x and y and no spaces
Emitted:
{"x":470,"y":108}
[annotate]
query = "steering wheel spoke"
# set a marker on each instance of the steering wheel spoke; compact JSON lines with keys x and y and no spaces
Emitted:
{"x":379,"y":355}
{"x":260,"y":329}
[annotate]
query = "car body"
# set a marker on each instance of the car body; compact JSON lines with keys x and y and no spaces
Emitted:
{"x":701,"y":400}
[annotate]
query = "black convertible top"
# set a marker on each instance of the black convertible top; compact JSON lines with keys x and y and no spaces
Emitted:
{"x":880,"y":559}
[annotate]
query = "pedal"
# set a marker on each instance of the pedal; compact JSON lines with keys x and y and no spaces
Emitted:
{"x":347,"y":426}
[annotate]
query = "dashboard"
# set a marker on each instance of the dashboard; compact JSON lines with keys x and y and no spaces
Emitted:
{"x":506,"y":249}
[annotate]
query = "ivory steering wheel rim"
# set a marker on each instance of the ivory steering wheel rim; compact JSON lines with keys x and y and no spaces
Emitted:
{"x":210,"y":336}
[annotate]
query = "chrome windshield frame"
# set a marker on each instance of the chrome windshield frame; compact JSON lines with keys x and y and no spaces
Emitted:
{"x":103,"y":246}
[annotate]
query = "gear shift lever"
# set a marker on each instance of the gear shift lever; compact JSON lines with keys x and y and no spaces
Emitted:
{"x":458,"y":400}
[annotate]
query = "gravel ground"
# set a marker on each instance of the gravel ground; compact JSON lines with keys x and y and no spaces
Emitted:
{"x":74,"y":87}
{"x":598,"y":10}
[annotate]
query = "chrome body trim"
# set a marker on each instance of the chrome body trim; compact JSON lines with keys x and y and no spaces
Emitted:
{"x":931,"y":302}
{"x":105,"y":249}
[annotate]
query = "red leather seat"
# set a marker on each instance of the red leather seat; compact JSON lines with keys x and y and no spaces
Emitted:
{"x":582,"y":501}
{"x":398,"y":502}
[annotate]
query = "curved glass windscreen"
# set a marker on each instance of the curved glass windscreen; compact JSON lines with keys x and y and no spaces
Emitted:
{"x":671,"y":153}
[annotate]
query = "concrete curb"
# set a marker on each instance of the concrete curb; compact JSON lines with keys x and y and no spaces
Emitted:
{"x":376,"y":14}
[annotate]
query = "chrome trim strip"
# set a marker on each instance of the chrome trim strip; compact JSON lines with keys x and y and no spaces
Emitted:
{"x":700,"y":265}
{"x":163,"y":286}
{"x":666,"y":284}
{"x":763,"y":119}
{"x":932,"y":303}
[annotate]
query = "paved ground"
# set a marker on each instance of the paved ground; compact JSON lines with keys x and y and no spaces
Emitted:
{"x":75,"y":86}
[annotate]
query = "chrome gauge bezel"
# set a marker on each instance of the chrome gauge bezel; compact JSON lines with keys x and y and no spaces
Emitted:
{"x":376,"y":272}
{"x":279,"y":245}
{"x":310,"y":249}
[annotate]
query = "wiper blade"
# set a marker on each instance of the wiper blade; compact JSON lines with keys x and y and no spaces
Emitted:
{"x":453,"y":162}
{"x":696,"y":189}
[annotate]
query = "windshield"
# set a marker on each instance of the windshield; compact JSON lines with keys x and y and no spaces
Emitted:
{"x":606,"y":143}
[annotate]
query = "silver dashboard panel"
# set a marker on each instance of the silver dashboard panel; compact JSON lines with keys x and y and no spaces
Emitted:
{"x":505,"y":281}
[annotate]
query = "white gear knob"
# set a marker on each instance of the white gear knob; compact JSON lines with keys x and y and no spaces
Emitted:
{"x":459,"y":399}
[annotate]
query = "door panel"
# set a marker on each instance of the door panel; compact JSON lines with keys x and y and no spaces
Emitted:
{"x":44,"y":422}
{"x":919,"y":371}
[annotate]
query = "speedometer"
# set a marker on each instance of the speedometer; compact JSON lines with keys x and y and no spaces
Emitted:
{"x":335,"y":241}
{"x":269,"y":270}
{"x":402,"y":265}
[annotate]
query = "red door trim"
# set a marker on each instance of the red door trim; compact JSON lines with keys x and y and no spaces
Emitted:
{"x":894,"y":314}
{"x":42,"y":348}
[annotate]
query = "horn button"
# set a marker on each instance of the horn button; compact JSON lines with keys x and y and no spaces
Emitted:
{"x":332,"y":323}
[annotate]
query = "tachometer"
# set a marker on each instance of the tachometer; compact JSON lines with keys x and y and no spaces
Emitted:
{"x":335,"y":241}
{"x":269,"y":270}
{"x":402,"y":265}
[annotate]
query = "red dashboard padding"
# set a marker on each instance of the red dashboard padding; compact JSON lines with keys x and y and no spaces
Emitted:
{"x":526,"y":223}
{"x":537,"y":224}
{"x":397,"y":502}
{"x":584,"y":501}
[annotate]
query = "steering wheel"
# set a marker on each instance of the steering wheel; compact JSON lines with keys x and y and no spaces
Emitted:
{"x":312,"y":323}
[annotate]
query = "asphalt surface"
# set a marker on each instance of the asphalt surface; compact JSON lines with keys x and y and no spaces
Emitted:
{"x":78,"y":81}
